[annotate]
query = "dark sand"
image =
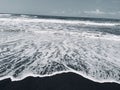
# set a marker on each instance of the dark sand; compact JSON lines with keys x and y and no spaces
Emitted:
{"x":68,"y":81}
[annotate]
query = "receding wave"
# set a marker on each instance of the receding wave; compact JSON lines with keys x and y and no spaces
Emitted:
{"x":45,"y":47}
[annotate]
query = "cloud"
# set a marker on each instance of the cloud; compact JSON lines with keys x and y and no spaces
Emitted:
{"x":58,"y":12}
{"x":69,"y":11}
{"x":119,"y":12}
{"x":97,"y":11}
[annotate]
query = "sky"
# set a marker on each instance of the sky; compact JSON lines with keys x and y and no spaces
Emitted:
{"x":76,"y":8}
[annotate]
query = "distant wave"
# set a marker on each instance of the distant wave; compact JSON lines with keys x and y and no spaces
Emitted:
{"x":42,"y":47}
{"x":63,"y":21}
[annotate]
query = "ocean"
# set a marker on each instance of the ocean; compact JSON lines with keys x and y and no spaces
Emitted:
{"x":52,"y":52}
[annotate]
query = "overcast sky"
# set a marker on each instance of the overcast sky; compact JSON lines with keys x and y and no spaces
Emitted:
{"x":92,"y":8}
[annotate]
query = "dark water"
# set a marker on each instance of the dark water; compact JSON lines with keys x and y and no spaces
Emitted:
{"x":60,"y":17}
{"x":68,"y":81}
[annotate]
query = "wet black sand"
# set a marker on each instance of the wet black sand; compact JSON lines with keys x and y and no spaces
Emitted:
{"x":68,"y":81}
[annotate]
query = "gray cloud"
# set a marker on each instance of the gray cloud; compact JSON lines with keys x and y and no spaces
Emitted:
{"x":99,"y":12}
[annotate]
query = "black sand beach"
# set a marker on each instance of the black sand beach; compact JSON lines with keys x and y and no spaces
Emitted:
{"x":67,"y":81}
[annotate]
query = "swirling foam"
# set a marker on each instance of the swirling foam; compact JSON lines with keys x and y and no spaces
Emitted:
{"x":30,"y":47}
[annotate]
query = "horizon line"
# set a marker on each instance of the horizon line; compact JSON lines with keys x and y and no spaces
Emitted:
{"x":62,"y":16}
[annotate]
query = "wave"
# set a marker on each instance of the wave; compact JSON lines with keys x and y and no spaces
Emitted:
{"x":42,"y":47}
{"x":57,"y":19}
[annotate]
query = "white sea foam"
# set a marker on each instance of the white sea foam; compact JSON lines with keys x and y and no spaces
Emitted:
{"x":41,"y":47}
{"x":25,"y":19}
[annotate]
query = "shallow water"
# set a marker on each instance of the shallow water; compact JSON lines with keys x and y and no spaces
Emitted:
{"x":45,"y":47}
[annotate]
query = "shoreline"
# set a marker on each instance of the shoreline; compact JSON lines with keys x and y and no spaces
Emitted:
{"x":65,"y":81}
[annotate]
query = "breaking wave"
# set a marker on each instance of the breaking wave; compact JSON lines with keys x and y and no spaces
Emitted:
{"x":45,"y":47}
